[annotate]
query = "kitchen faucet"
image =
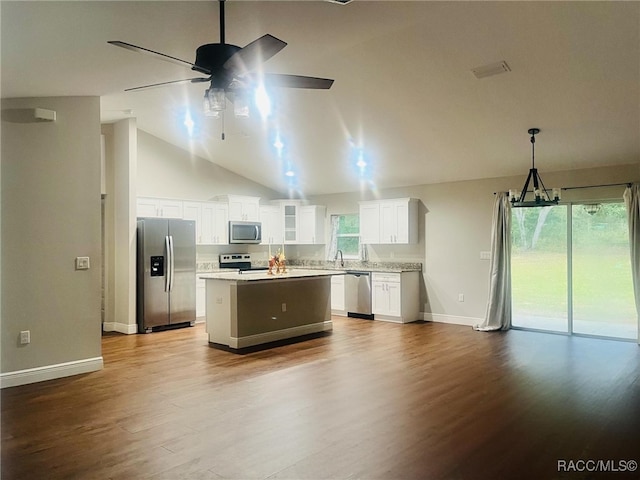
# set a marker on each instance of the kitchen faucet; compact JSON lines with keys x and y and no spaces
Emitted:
{"x":341,"y":258}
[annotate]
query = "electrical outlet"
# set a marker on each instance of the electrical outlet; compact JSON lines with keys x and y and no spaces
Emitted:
{"x":82,"y":263}
{"x":219,"y":300}
{"x":25,"y":337}
{"x":461,"y":297}
{"x":485,"y":255}
{"x":284,"y":307}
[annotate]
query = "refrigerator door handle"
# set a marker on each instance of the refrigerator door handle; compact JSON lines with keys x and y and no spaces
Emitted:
{"x":171,"y":263}
{"x":168,"y":270}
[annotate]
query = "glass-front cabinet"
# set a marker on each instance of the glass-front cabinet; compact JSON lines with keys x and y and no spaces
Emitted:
{"x":290,"y":223}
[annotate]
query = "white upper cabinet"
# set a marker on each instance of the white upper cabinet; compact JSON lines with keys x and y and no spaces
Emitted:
{"x":193,"y":211}
{"x":369,"y":223}
{"x":211,"y":218}
{"x":289,"y":216}
{"x":311,"y":225}
{"x":271,"y":219}
{"x":215,"y":223}
{"x":158,"y":207}
{"x":393,"y":221}
{"x":302,"y":224}
{"x":241,"y":207}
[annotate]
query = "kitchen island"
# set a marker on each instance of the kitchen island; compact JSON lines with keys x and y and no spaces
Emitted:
{"x":254,"y":308}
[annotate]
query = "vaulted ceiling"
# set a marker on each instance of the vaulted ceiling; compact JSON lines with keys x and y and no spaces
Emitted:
{"x":404,"y":98}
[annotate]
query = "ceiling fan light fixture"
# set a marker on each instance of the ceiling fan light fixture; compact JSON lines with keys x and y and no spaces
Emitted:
{"x":241,"y":104}
{"x":207,"y":110}
{"x":216,"y":98}
{"x":541,"y":196}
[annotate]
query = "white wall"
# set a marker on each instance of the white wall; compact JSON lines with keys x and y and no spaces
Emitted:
{"x":50,"y":215}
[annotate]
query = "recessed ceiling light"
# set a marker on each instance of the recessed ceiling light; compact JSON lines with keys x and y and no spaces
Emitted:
{"x":491,"y":69}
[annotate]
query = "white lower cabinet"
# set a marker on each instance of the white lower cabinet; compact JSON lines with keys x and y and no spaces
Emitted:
{"x":395,"y":297}
{"x":201,"y":297}
{"x":338,"y":304}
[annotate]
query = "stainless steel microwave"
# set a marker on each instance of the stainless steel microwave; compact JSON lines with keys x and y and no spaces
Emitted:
{"x":245,"y":232}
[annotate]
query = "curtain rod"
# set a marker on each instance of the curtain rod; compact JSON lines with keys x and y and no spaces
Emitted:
{"x":628,"y":184}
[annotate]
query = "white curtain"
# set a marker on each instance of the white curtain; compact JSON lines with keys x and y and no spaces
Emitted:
{"x":498,"y":314}
{"x":332,"y":248}
{"x":632,"y":201}
{"x":364,"y":253}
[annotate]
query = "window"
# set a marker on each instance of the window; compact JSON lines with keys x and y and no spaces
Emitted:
{"x":348,"y":235}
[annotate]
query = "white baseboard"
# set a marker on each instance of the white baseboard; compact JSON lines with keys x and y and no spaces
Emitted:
{"x":260,"y":338}
{"x":452,"y":319}
{"x":128,"y":328}
{"x":50,"y":372}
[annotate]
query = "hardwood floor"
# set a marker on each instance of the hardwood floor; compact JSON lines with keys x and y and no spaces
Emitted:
{"x":371,"y":400}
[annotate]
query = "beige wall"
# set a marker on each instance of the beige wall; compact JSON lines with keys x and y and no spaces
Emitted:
{"x":50,"y":204}
{"x":165,"y":170}
{"x":50,"y":215}
{"x":120,"y":225}
{"x":455,"y":226}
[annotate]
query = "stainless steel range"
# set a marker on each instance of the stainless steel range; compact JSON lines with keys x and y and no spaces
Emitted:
{"x":239,"y":261}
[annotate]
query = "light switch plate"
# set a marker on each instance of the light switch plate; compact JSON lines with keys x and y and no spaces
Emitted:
{"x":82,"y":263}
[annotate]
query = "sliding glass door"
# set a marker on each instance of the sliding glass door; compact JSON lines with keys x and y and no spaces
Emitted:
{"x":539,"y":268}
{"x":571,"y":270}
{"x":602,"y":285}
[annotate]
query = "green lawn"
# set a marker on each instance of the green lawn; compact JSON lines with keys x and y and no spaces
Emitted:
{"x":602,"y":285}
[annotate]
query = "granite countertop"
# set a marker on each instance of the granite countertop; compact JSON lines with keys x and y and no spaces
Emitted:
{"x":383,"y":267}
{"x":262,"y":275}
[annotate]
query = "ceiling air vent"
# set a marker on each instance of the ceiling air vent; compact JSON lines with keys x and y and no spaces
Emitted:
{"x":492,"y":69}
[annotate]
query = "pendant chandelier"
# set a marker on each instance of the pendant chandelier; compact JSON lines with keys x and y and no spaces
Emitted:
{"x":540,"y":195}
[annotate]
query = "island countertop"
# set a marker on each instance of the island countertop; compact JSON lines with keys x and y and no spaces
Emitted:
{"x":262,"y":275}
{"x":255,"y":308}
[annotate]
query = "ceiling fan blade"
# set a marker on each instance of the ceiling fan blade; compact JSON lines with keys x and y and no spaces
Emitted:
{"x":249,"y":58}
{"x":161,"y":84}
{"x":158,"y":55}
{"x":297,"y":81}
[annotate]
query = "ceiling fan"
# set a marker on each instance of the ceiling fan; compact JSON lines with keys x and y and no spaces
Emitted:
{"x":230,"y":69}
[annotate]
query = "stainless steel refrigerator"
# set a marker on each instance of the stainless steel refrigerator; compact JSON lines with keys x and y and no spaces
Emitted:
{"x":166,"y":273}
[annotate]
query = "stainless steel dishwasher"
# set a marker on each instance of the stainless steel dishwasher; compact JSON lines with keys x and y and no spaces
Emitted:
{"x":357,"y":286}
